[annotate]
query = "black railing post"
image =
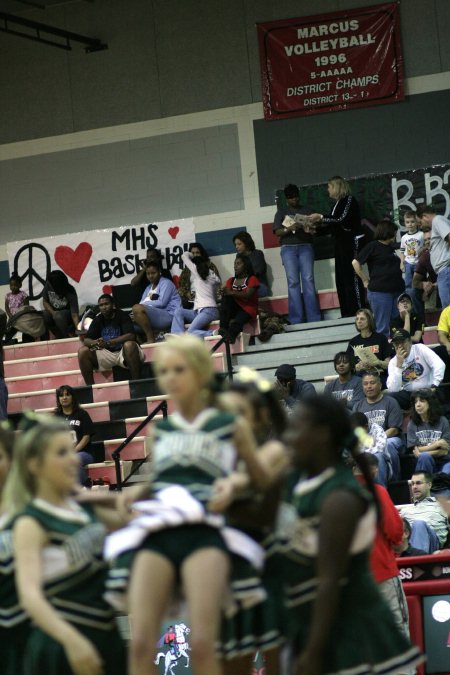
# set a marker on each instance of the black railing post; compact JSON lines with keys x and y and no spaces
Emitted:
{"x":229,"y":362}
{"x":116,"y":454}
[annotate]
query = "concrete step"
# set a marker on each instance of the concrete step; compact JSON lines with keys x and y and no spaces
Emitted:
{"x":43,"y":365}
{"x":29,"y":384}
{"x":117,"y":411}
{"x":108,"y":392}
{"x":313,"y":374}
{"x":29,"y":350}
{"x":300,"y":355}
{"x":107,"y":470}
{"x":293,"y":338}
{"x":326,"y":323}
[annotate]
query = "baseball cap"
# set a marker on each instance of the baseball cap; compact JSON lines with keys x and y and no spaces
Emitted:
{"x":285,"y":372}
{"x":401,"y":335}
{"x":402,"y":296}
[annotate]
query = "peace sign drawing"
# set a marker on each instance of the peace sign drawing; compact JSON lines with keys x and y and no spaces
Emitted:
{"x":32,"y":264}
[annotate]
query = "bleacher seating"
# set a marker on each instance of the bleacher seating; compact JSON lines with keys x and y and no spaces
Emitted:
{"x":118,"y":405}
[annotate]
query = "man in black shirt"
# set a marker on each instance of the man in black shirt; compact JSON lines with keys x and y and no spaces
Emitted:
{"x":110,"y":341}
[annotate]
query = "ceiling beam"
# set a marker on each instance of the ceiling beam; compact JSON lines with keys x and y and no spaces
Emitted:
{"x":43,"y":33}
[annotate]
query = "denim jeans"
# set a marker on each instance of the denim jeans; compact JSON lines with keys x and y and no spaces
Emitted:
{"x":426,"y":462}
{"x":199,"y":319}
{"x":160,"y":319}
{"x":263,"y":290}
{"x":423,"y":537}
{"x":85,"y":458}
{"x":443,"y":282}
{"x":298,"y":262}
{"x":409,"y":273}
{"x":395,"y":447}
{"x":384,"y":308}
{"x":385,"y":471}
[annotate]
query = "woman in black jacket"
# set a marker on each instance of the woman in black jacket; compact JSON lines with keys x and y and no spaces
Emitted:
{"x":345,"y":222}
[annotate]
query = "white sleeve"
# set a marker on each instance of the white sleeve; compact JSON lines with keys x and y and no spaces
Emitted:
{"x":186,"y":257}
{"x":403,"y":243}
{"x":394,"y":380}
{"x":435,"y":363}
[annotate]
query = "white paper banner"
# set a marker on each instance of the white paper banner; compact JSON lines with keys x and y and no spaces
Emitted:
{"x":96,"y":260}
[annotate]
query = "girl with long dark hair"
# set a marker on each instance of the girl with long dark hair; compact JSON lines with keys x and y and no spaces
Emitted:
{"x":185,"y":285}
{"x":338,"y":621}
{"x":428,"y":433}
{"x":244,"y":244}
{"x":239,"y":300}
{"x":204,"y":283}
{"x":80,"y":425}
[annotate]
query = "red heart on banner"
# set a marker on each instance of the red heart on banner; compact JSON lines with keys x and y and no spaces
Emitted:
{"x":107,"y":289}
{"x":173,"y":231}
{"x":73,"y":263}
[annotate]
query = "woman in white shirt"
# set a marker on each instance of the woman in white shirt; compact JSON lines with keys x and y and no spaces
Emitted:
{"x":204,"y":283}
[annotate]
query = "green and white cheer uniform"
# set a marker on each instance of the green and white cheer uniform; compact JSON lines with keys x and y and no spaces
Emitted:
{"x":73,"y":579}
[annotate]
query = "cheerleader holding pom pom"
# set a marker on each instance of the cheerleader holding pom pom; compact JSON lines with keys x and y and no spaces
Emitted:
{"x":60,"y":572}
{"x":173,"y":539}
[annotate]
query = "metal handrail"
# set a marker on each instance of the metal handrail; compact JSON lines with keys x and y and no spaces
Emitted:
{"x":161,"y":407}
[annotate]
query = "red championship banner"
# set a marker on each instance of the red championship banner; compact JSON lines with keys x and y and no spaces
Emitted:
{"x":339,"y":61}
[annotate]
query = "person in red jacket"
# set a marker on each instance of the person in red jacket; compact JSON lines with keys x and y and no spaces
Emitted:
{"x":382,"y":559}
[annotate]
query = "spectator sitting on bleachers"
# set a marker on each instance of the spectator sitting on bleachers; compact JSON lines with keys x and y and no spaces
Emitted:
{"x":60,"y":301}
{"x":80,"y":425}
{"x":428,"y":433}
{"x":153,"y":255}
{"x":385,"y":411}
{"x":413,"y":367}
{"x":185,"y":287}
{"x":373,"y":440}
{"x":204,"y":283}
{"x":347,"y":387}
{"x":239,"y":300}
{"x":385,"y":281}
{"x":244,"y":244}
{"x":429,"y":523}
{"x":425,"y":278}
{"x":405,"y":550}
{"x":369,"y":349}
{"x":407,"y":319}
{"x":110,"y":341}
{"x":290,"y":390}
{"x":158,"y":304}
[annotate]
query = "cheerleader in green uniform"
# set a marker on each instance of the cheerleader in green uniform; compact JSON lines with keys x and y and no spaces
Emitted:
{"x":13,"y":620}
{"x":259,"y":627}
{"x":58,"y":544}
{"x":184,"y":544}
{"x":338,"y":621}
